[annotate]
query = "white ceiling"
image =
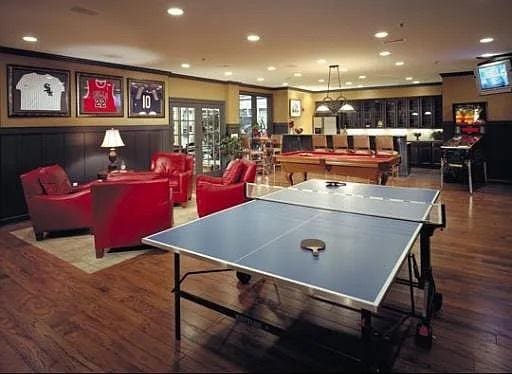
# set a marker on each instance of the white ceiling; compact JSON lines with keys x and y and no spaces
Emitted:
{"x":440,"y":36}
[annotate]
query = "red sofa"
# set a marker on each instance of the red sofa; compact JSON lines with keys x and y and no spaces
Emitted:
{"x":178,"y":168}
{"x":53,"y":204}
{"x":123,"y":212}
{"x":217,"y":193}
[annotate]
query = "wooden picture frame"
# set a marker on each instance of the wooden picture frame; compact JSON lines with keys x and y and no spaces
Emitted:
{"x":99,"y":95}
{"x":295,"y":108}
{"x":146,"y":98}
{"x":37,"y":92}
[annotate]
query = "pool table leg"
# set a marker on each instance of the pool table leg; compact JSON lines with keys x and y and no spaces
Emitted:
{"x":383,"y":179}
{"x":289,"y":176}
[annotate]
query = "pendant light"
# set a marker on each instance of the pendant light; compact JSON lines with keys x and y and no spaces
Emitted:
{"x":328,"y":104}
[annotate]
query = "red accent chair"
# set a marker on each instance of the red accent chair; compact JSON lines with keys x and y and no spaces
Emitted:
{"x":218,"y":193}
{"x":53,"y":204}
{"x":126,"y":211}
{"x":178,"y":168}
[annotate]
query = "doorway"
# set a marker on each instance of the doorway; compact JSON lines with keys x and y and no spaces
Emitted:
{"x":255,"y":114}
{"x":197,"y":128}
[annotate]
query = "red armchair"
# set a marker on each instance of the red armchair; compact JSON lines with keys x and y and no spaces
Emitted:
{"x":217,"y":193}
{"x":53,"y":204}
{"x":126,"y":211}
{"x":178,"y":168}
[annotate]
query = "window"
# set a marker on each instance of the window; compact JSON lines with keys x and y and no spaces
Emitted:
{"x":255,"y":114}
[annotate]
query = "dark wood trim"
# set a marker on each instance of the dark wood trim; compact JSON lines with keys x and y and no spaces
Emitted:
{"x":36,"y":54}
{"x":456,"y":74}
{"x":75,"y":129}
{"x":195,"y":101}
{"x":496,"y":57}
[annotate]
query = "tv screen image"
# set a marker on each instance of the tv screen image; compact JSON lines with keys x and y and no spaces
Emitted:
{"x":494,"y":77}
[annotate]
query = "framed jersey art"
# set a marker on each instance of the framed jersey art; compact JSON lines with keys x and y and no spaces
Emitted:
{"x":146,"y":98}
{"x":99,"y":95}
{"x":37,"y":92}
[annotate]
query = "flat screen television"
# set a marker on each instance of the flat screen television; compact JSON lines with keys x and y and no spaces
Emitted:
{"x":494,"y":77}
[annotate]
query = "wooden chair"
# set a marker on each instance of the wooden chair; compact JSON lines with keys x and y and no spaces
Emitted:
{"x":384,"y":146}
{"x":319,"y":142}
{"x":340,"y":143}
{"x":276,"y":141}
{"x":361,"y":144}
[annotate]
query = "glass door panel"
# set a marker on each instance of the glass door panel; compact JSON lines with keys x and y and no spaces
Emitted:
{"x":262,"y":113}
{"x":211,"y":135}
{"x":246,"y":114}
{"x":183,"y":122}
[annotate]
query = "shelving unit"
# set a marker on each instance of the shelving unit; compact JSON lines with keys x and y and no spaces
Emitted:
{"x":421,"y":112}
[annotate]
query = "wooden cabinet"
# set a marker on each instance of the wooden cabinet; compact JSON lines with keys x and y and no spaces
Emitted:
{"x":405,"y":112}
{"x":425,"y":153}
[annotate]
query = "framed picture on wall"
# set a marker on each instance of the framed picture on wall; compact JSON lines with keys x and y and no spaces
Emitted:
{"x":146,"y":98}
{"x":37,"y":92}
{"x":99,"y":95}
{"x":295,"y":108}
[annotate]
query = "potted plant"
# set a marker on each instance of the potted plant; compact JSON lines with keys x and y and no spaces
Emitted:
{"x":231,"y":147}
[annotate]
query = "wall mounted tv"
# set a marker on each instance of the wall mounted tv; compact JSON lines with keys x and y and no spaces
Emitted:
{"x":494,"y":77}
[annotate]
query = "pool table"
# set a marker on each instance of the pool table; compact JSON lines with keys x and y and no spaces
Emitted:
{"x":374,"y":167}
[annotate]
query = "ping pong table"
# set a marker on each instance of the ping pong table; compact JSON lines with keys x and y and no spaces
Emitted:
{"x":368,"y":230}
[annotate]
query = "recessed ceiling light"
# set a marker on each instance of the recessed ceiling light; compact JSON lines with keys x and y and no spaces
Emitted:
{"x":381,"y":34}
{"x":321,"y":80}
{"x":175,"y":11}
{"x":360,"y":85}
{"x":362,"y":77}
{"x":260,"y":79}
{"x":30,"y":38}
{"x":488,"y":55}
{"x":321,"y":61}
{"x":408,"y":78}
{"x":348,"y":83}
{"x":486,"y":40}
{"x":271,"y":68}
{"x":228,"y":73}
{"x":185,"y":66}
{"x":297,"y":74}
{"x":253,"y":37}
{"x":416,"y":82}
{"x":399,"y":63}
{"x":384,"y":53}
{"x":344,"y":70}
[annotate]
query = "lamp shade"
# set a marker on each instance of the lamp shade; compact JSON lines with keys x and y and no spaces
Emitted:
{"x":323,"y":108}
{"x":112,"y":139}
{"x":346,"y":108}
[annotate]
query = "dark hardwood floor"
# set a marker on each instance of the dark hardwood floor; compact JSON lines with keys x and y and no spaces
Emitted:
{"x":54,"y":317}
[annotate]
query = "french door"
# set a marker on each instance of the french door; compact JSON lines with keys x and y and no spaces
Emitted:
{"x":196,"y":129}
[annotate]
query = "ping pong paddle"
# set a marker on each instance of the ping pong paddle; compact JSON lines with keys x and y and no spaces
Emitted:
{"x":314,"y":245}
{"x":334,"y":184}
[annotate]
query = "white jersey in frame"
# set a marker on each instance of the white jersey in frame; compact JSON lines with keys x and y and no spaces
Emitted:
{"x":40,"y":92}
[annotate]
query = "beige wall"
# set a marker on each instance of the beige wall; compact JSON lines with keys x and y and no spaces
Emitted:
{"x":5,"y":121}
{"x":308,"y":107}
{"x":463,"y":89}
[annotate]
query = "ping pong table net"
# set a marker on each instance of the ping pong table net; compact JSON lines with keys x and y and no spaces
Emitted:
{"x":349,"y":201}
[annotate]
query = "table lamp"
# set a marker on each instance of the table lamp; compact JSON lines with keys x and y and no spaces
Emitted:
{"x":112,"y":140}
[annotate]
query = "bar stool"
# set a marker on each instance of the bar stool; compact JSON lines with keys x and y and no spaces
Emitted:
{"x":361,"y":144}
{"x":340,"y":143}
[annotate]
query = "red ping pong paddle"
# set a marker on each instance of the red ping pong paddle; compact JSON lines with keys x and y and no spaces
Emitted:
{"x":314,"y":245}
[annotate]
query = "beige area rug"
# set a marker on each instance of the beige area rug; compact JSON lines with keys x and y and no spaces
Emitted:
{"x":78,"y":250}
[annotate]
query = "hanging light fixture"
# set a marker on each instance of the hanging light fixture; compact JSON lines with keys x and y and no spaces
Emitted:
{"x":330,"y":105}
